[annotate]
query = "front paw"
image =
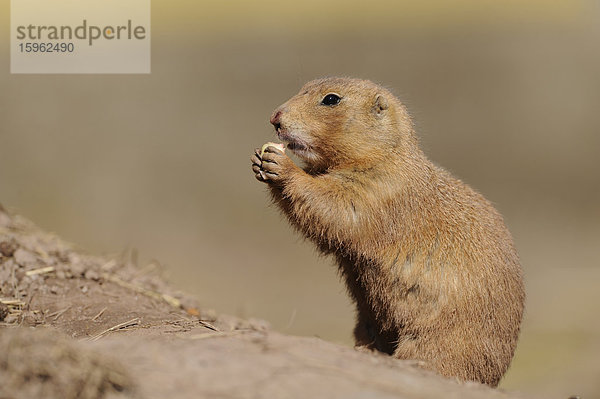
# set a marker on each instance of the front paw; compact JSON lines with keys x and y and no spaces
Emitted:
{"x":257,"y":165}
{"x":272,"y":166}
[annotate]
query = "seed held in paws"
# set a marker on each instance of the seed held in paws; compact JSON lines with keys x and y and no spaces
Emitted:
{"x":279,"y":146}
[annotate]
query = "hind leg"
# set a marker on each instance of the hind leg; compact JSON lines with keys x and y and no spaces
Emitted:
{"x":369,"y":336}
{"x":365,"y":337}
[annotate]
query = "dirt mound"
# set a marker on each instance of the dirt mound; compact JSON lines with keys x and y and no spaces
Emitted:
{"x":93,"y":327}
{"x":44,"y":281}
{"x":42,"y":363}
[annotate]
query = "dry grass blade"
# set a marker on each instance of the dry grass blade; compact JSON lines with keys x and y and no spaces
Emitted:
{"x":59,"y":313}
{"x":100,"y":313}
{"x":152,"y":294}
{"x":40,"y":251}
{"x":42,"y":270}
{"x":13,"y":307}
{"x":108,"y":266}
{"x":130,"y":323}
{"x":13,"y":302}
{"x":208,"y":325}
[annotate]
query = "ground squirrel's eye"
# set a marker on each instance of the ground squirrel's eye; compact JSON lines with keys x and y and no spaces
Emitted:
{"x":331,"y":99}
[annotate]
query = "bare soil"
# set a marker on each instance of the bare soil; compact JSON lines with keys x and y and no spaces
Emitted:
{"x":74,"y":325}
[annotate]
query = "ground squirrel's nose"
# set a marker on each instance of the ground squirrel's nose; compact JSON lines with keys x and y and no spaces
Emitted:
{"x":276,"y":119}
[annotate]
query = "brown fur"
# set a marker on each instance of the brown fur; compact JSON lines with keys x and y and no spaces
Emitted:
{"x":427,"y":260}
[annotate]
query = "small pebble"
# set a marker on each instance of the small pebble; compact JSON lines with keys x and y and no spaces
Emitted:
{"x":92,"y":275}
{"x":19,"y":274}
{"x":25,"y":258}
{"x":77,"y":269}
{"x":8,"y":247}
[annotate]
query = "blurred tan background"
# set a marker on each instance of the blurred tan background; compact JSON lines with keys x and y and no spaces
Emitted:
{"x":505,"y":95}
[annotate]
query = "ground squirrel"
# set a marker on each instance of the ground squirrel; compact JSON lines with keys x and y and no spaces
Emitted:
{"x":427,"y":260}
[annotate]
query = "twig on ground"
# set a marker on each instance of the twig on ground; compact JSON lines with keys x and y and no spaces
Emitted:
{"x":126,"y":324}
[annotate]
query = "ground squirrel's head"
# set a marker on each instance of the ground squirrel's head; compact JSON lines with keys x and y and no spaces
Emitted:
{"x":342,"y":121}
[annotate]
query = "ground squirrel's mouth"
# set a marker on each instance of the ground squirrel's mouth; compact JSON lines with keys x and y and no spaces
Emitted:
{"x":292,"y":143}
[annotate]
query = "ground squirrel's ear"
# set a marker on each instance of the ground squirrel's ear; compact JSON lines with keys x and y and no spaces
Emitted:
{"x":380,"y":105}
